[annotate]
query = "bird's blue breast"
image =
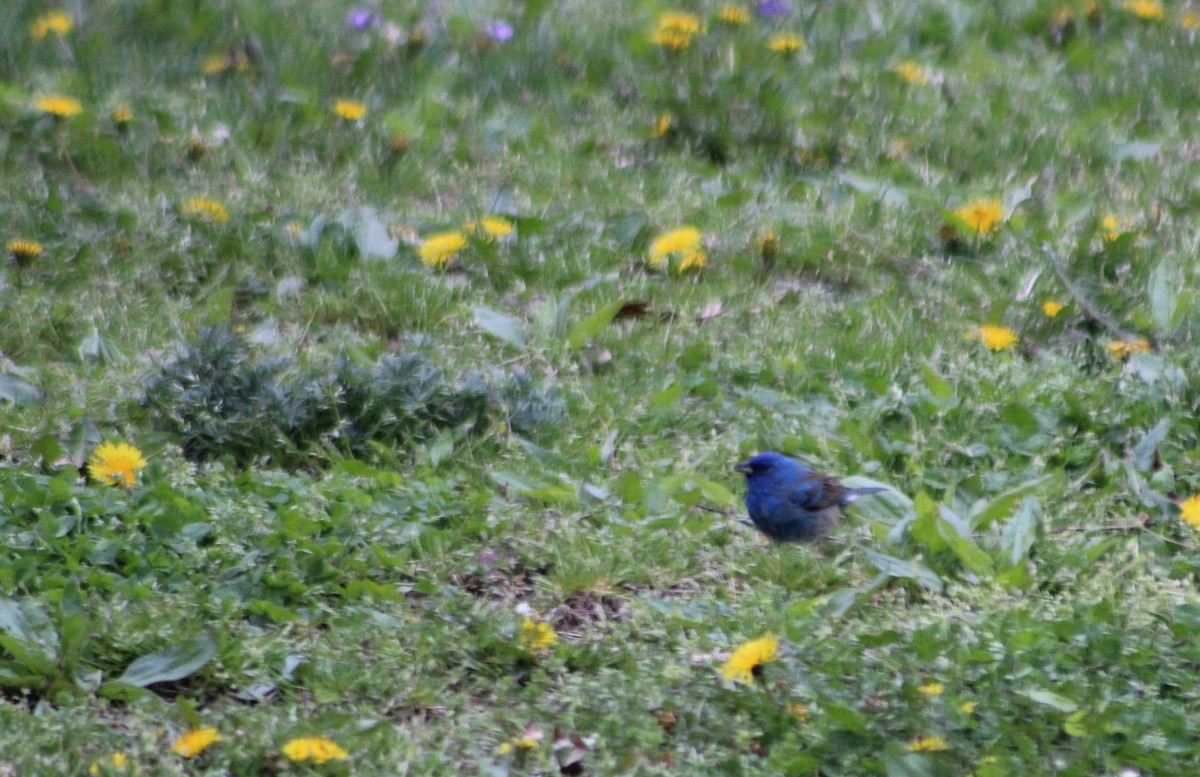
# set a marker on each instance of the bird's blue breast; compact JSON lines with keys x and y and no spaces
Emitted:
{"x":772,"y":507}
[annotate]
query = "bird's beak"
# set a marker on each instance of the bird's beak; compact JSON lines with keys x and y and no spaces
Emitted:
{"x":742,"y":467}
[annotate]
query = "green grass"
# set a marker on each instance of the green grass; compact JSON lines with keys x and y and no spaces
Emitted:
{"x":319,"y":546}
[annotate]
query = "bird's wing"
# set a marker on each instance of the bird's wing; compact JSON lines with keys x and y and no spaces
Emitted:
{"x":816,"y":492}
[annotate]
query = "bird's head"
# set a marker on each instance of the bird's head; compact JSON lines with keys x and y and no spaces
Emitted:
{"x":768,"y":465}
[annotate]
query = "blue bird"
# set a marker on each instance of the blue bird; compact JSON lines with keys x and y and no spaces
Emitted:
{"x":789,"y":502}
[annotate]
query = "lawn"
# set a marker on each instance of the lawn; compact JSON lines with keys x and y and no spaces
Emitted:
{"x":371,"y":382}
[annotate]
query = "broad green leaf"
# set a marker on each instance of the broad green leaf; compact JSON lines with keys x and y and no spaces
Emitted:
{"x":500,"y":325}
{"x":27,"y":622}
{"x":372,"y":239}
{"x":1143,"y":452}
{"x":1021,"y":532}
{"x":591,"y":326}
{"x":906,"y":569}
{"x":17,"y":390}
{"x":1163,"y":290}
{"x":30,"y":655}
{"x":970,"y":555}
{"x":984,"y":513}
{"x":1050,"y":699}
{"x":174,"y":663}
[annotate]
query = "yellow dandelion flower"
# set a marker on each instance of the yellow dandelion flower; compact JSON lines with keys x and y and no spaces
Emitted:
{"x":677,"y":21}
{"x":521,"y":744}
{"x":693,"y":261}
{"x":663,"y":124}
{"x":1189,"y":511}
{"x":968,"y":707}
{"x":982,"y":216}
{"x":24,"y":251}
{"x":911,"y":73}
{"x":996,"y":338}
{"x":57,"y":22}
{"x":116,"y":761}
{"x":786,"y":43}
{"x":60,"y":107}
{"x":931,"y":689}
{"x":350,"y":110}
{"x":537,"y":637}
{"x":749,"y":658}
{"x":1123,"y":349}
{"x":490,"y":228}
{"x":934,"y":744}
{"x":768,"y":246}
{"x":1112,"y":227}
{"x":1145,"y":9}
{"x":315,"y":749}
{"x":215,"y":64}
{"x":204,"y":209}
{"x":192,"y":743}
{"x":671,"y":40}
{"x":440,"y":249}
{"x":735,"y":15}
{"x":1051,"y":308}
{"x":682,"y":241}
{"x":1189,"y":20}
{"x":122,"y":114}
{"x":116,"y":464}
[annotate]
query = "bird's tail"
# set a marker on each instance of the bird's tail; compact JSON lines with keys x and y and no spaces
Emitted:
{"x":853,"y":494}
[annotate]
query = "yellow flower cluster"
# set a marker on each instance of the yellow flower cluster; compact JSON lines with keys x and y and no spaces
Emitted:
{"x":57,"y":22}
{"x":204,"y":209}
{"x":933,"y":744}
{"x":1151,"y":10}
{"x":749,"y":658}
{"x":911,"y":73}
{"x":982,"y":216}
{"x":60,"y":107}
{"x":192,"y":743}
{"x":682,"y":245}
{"x":441,"y":249}
{"x":350,"y":110}
{"x":489,"y":228}
{"x":1123,"y":349}
{"x":996,"y":338}
{"x":675,"y":30}
{"x":116,"y":464}
{"x":735,"y":15}
{"x":537,"y":637}
{"x":1189,"y":511}
{"x":520,"y":744}
{"x":786,"y":43}
{"x":316,"y":749}
{"x":122,"y":114}
{"x":24,"y":251}
{"x":1051,"y":308}
{"x":116,"y":762}
{"x":215,"y":64}
{"x":663,"y":124}
{"x":1112,"y":228}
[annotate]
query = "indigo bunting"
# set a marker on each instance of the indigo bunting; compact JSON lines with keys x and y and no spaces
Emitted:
{"x":789,"y":502}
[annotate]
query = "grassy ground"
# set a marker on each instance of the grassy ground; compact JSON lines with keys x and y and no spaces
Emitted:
{"x":370,"y":479}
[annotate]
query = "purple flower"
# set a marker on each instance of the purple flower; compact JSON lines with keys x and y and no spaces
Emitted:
{"x":362,"y":18}
{"x":499,"y":30}
{"x":774,"y":9}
